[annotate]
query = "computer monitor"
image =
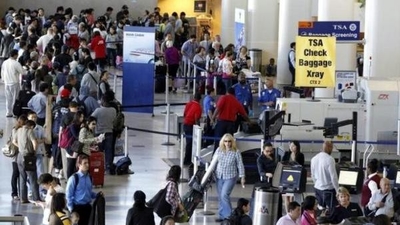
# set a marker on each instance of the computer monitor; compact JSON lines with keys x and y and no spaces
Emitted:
{"x":397,"y":180}
{"x":348,"y":178}
{"x":290,"y":178}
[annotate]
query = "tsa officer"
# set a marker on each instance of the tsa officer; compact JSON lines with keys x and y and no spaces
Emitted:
{"x":269,"y":95}
{"x":243,"y":93}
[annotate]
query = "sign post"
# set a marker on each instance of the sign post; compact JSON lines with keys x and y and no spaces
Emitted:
{"x":315,"y":61}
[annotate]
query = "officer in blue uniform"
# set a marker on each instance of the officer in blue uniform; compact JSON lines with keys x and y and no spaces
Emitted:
{"x":243,"y":93}
{"x":269,"y":95}
{"x":209,"y":108}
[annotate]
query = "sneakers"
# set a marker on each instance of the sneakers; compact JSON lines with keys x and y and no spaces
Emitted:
{"x":15,"y":198}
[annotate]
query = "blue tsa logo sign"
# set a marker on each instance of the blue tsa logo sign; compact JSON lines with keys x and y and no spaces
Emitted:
{"x":342,"y":30}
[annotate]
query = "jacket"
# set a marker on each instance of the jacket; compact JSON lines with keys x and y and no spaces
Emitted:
{"x":138,"y":216}
{"x":87,"y":138}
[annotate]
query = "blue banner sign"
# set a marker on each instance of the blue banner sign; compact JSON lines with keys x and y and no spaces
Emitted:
{"x":342,"y":30}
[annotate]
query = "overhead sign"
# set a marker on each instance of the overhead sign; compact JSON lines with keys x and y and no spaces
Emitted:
{"x":315,"y":61}
{"x":342,"y":30}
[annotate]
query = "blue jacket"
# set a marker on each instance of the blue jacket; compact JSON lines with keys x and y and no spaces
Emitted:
{"x":243,"y":94}
{"x":269,"y":95}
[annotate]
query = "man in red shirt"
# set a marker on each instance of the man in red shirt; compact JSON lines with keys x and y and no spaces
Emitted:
{"x":228,"y":107}
{"x":191,"y":117}
{"x":98,"y":45}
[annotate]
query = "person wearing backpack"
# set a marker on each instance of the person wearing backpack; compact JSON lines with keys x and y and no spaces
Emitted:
{"x":91,"y":79}
{"x":105,"y":116}
{"x":104,"y":86}
{"x":239,"y":215}
{"x":87,"y":104}
{"x":58,"y":216}
{"x":79,"y":191}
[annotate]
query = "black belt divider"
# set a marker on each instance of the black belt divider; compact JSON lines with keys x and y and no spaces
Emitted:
{"x":153,"y":105}
{"x":152,"y":131}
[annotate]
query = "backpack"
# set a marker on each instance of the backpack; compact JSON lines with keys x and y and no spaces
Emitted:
{"x":122,"y":165}
{"x":64,"y":219}
{"x":67,"y":139}
{"x":119,"y":122}
{"x":234,"y":219}
{"x":81,"y":105}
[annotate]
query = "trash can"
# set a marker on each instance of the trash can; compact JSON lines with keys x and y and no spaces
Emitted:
{"x":267,"y":202}
{"x":256,"y":59}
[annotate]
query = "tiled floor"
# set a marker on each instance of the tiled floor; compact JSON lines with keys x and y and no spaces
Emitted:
{"x":146,"y":151}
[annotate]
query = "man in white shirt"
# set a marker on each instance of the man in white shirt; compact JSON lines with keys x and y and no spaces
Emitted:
{"x":381,"y":201}
{"x":292,"y":217}
{"x":10,"y":72}
{"x":44,"y":40}
{"x":91,"y":79}
{"x":323,"y":173}
{"x":206,"y":43}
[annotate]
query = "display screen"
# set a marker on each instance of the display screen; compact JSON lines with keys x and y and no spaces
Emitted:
{"x":398,"y":177}
{"x":348,"y":177}
{"x":290,"y":178}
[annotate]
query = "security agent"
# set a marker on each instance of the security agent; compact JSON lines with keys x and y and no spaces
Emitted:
{"x":243,"y":93}
{"x":269,"y":95}
{"x":345,"y":209}
{"x":323,"y":173}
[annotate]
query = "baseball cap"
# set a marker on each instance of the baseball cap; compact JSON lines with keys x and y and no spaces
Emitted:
{"x":65,"y":93}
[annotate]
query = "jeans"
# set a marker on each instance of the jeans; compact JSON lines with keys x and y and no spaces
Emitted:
{"x":224,"y":189}
{"x":326,"y":198}
{"x":39,"y":165}
{"x":107,"y":147}
{"x":222,"y":127}
{"x":23,"y":179}
{"x":111,"y":56}
{"x":14,"y":179}
{"x":188,"y":129}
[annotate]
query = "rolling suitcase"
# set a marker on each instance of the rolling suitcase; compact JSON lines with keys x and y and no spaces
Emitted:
{"x":191,"y":200}
{"x":96,"y":168}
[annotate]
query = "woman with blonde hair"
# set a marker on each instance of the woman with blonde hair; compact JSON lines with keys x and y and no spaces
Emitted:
{"x":228,"y":168}
{"x":345,"y":209}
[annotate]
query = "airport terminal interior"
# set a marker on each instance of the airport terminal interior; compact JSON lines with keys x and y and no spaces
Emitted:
{"x":346,"y":92}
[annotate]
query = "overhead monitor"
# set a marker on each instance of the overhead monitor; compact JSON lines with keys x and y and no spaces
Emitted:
{"x":348,"y":178}
{"x":397,"y":180}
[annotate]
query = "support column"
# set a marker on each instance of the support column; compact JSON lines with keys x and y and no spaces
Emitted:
{"x":263,"y":19}
{"x":290,"y":12}
{"x":381,"y":36}
{"x":338,"y":10}
{"x":228,"y":19}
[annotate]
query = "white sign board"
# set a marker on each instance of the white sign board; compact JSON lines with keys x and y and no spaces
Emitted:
{"x":344,"y":79}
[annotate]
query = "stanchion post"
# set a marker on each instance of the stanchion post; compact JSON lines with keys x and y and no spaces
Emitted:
{"x":167,"y":110}
{"x":196,"y":144}
{"x":194,"y":78}
{"x":167,"y":125}
{"x":182,"y":155}
{"x":215,"y":83}
{"x":126,"y":141}
{"x":205,"y":199}
{"x":115,"y":83}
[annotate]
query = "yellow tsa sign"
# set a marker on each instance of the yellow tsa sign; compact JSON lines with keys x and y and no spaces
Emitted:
{"x":315,"y":61}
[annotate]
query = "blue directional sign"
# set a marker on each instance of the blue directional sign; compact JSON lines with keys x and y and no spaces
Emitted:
{"x":342,"y":30}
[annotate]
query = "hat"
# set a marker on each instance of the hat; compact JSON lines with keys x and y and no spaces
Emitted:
{"x":139,"y":196}
{"x":65,"y":93}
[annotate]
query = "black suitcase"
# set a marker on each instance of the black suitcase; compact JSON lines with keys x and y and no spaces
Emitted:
{"x":191,"y":200}
{"x":159,"y":86}
{"x":250,"y":165}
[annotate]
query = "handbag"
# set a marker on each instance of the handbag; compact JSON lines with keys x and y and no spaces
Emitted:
{"x":30,"y":162}
{"x":10,"y":150}
{"x":181,"y":216}
{"x":159,"y":204}
{"x":77,"y":146}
